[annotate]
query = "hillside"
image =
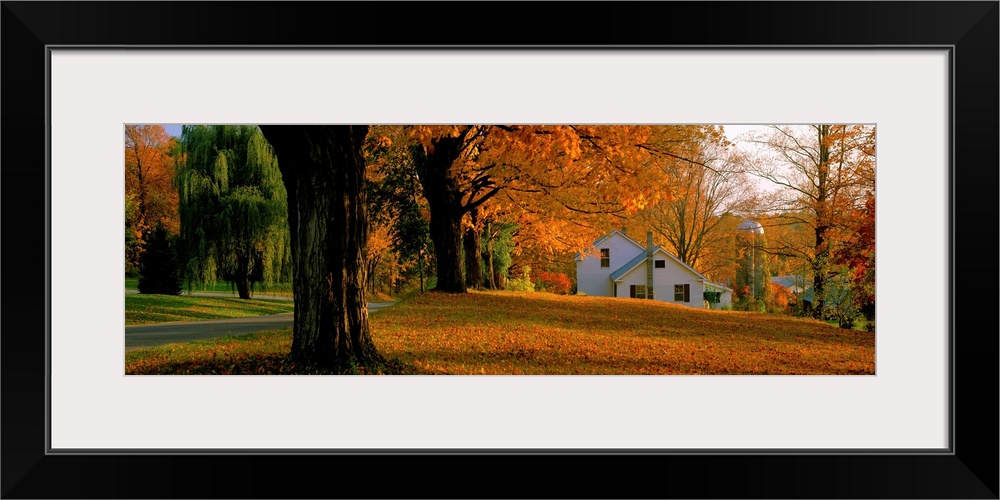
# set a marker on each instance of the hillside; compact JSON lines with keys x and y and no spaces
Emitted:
{"x":500,"y":333}
{"x":539,"y":333}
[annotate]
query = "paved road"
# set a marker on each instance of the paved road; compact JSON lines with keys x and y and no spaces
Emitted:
{"x":137,"y":337}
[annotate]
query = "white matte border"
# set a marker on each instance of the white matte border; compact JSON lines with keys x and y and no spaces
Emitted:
{"x":95,"y":406}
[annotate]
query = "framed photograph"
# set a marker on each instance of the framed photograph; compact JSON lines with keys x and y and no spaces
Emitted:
{"x":923,"y":74}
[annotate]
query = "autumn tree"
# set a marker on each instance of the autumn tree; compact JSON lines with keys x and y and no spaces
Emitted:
{"x":451,"y":193}
{"x":824,"y":172}
{"x":858,"y":251}
{"x":709,"y":185}
{"x":233,"y":208}
{"x":150,"y":197}
{"x":398,"y":239}
{"x":323,"y":170}
{"x":558,"y":172}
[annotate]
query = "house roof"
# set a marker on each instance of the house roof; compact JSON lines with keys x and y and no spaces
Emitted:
{"x":717,"y":285}
{"x":598,"y":241}
{"x":619,"y":273}
{"x":630,"y":265}
{"x":791,"y":281}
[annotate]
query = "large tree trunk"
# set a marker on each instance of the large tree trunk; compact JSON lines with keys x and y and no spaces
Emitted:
{"x":822,"y":248}
{"x":446,"y":233}
{"x":473,"y":271}
{"x":242,"y":277}
{"x":444,"y":199}
{"x":500,"y":280}
{"x":324,"y":175}
{"x":819,"y":269}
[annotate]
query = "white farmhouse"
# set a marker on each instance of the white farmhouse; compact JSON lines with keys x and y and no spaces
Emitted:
{"x":618,"y":266}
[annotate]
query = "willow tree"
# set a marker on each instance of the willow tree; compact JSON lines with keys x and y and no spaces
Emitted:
{"x":233,"y":208}
{"x":323,"y":169}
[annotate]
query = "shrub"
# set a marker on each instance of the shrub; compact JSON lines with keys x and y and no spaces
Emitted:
{"x":552,"y":282}
{"x":522,"y":283}
{"x":159,"y":271}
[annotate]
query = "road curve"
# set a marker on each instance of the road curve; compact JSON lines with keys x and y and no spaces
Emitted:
{"x":137,"y":337}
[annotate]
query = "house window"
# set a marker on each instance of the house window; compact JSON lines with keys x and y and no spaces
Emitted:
{"x":659,"y":264}
{"x":637,"y":291}
{"x":682,"y":293}
{"x":605,"y":257}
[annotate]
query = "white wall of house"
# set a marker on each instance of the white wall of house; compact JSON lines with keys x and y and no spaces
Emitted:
{"x":664,"y":280}
{"x":727,"y":298}
{"x":591,"y":278}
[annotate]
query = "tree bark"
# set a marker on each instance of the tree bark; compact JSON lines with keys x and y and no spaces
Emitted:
{"x":241,"y":278}
{"x":444,"y":198}
{"x":446,"y":231}
{"x":822,"y":248}
{"x":819,"y":268}
{"x":473,"y":271}
{"x":324,"y":174}
{"x":500,"y":280}
{"x":242,"y":282}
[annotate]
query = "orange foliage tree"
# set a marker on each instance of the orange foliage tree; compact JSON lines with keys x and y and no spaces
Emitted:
{"x":858,"y":252}
{"x":695,"y":224}
{"x":150,"y":195}
{"x":575,"y":178}
{"x":397,"y":240}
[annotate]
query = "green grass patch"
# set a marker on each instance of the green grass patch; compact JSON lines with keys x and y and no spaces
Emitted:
{"x":278,"y":289}
{"x":541,"y":333}
{"x":143,"y":309}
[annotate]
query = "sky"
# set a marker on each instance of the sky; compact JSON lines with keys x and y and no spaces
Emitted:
{"x":174,"y":130}
{"x":733,"y":131}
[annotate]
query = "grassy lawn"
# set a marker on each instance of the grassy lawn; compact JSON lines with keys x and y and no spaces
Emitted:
{"x":141,"y":309}
{"x":538,"y":333}
{"x":279,"y":289}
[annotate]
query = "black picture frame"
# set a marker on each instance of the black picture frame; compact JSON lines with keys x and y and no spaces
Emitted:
{"x":970,"y":29}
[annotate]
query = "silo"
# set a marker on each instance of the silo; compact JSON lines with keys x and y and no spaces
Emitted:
{"x":750,"y":234}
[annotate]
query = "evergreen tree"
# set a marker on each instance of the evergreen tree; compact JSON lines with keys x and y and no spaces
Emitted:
{"x":159,"y":271}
